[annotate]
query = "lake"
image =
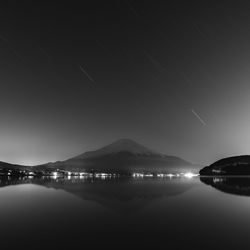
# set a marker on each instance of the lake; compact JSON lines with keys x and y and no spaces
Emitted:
{"x":125,"y":213}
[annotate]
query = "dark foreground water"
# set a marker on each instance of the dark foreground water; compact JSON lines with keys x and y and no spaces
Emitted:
{"x":177,"y":213}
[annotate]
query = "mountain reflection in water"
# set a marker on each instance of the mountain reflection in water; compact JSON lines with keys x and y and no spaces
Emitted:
{"x":232,"y":185}
{"x":120,"y":213}
{"x":114,"y":193}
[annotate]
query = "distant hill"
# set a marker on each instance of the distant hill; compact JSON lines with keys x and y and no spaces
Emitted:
{"x":13,"y":169}
{"x":5,"y":165}
{"x":123,"y":156}
{"x":236,"y":165}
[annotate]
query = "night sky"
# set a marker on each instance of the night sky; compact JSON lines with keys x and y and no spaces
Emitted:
{"x":172,"y":75}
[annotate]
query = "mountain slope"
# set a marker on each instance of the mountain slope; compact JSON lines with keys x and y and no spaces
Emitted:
{"x":124,"y":156}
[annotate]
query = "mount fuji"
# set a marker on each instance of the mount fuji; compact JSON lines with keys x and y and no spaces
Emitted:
{"x":124,"y":156}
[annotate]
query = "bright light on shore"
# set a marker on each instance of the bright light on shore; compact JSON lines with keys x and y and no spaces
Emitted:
{"x":190,"y":175}
{"x":170,"y":175}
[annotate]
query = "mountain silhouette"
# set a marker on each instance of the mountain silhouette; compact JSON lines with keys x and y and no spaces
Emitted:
{"x":235,"y":165}
{"x":4,"y":167}
{"x":124,"y":156}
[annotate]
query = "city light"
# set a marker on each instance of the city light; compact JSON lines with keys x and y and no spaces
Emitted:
{"x":190,"y":175}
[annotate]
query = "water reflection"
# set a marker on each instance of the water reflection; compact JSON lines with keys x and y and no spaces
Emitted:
{"x":113,"y":193}
{"x":232,"y":185}
{"x":121,"y":213}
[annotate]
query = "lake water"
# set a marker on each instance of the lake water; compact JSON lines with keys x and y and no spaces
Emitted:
{"x":125,"y":213}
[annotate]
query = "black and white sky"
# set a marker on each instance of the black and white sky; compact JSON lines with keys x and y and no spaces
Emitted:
{"x":172,"y":75}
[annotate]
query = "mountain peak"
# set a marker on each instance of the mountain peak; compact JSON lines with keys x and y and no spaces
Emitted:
{"x":128,"y":145}
{"x":121,"y":145}
{"x":124,"y":140}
